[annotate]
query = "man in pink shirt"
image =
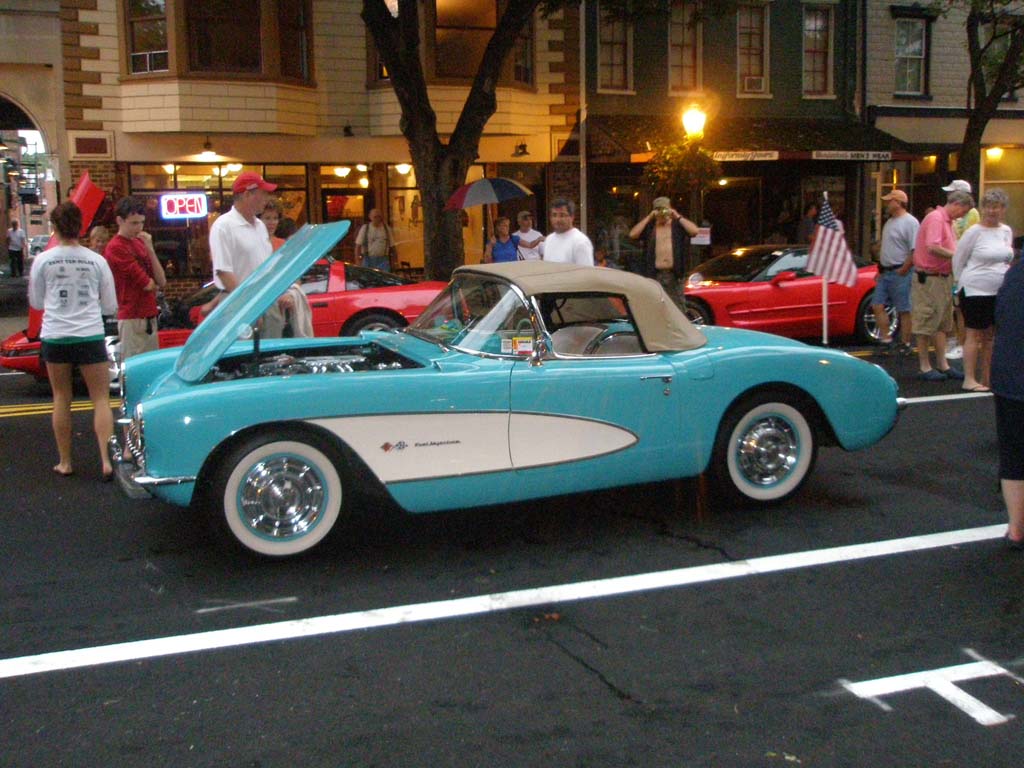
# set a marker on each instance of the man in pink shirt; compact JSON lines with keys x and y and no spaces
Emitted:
{"x":931,"y":293}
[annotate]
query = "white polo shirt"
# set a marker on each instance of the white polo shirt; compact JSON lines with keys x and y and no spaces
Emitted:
{"x":236,"y":246}
{"x":572,"y":247}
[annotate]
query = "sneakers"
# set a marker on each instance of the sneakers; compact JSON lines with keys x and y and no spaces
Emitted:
{"x":955,"y":352}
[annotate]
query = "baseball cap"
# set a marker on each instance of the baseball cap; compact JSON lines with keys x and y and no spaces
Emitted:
{"x":662,"y":202}
{"x":896,"y":194}
{"x":251,"y":180}
{"x":958,"y":185}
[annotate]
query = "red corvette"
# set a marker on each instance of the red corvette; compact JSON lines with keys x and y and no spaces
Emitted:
{"x":345,"y":299}
{"x":768,"y":288}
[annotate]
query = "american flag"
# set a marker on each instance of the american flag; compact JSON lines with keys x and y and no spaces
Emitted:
{"x":829,"y":256}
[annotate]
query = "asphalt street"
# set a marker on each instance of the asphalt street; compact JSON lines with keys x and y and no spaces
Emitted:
{"x":757,"y":667}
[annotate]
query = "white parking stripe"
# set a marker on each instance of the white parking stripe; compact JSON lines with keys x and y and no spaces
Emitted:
{"x":482,"y":604}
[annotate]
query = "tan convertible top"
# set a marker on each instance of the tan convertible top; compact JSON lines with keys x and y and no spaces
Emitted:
{"x":661,"y":324}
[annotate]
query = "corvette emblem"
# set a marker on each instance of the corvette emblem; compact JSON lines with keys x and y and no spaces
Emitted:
{"x":401,"y":445}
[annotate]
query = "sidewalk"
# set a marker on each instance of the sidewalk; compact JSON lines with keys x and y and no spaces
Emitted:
{"x":13,"y":304}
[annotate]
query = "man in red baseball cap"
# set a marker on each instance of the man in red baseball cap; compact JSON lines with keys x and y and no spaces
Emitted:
{"x":239,"y":242}
{"x":238,"y":239}
{"x":250,"y":180}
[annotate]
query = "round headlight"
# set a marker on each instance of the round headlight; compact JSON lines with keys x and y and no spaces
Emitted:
{"x":695,"y":279}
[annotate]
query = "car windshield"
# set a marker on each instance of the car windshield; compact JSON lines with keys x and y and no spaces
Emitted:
{"x":357,"y":277}
{"x":738,"y":266}
{"x":478,"y":313}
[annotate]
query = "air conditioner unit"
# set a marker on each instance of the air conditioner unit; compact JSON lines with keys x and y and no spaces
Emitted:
{"x":753,"y":84}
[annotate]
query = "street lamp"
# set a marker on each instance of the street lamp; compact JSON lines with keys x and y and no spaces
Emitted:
{"x":693,"y":122}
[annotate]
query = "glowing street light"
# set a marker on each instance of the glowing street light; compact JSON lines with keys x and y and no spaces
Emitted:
{"x":693,"y":122}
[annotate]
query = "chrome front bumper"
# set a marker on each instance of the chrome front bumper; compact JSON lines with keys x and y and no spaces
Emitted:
{"x":128,"y":467}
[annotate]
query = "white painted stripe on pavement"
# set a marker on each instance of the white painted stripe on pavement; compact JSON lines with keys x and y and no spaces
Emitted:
{"x":482,"y":604}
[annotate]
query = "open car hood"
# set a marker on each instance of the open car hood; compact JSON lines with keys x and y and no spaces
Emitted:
{"x":242,"y":307}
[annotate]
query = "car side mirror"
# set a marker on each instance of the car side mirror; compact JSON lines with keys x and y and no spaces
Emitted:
{"x":786,"y":274}
{"x":541,"y":350}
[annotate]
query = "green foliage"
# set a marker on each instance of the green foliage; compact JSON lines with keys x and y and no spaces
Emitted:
{"x":680,"y":169}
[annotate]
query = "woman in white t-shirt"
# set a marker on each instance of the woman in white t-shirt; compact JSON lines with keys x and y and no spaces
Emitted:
{"x":982,"y":257}
{"x":75,"y":288}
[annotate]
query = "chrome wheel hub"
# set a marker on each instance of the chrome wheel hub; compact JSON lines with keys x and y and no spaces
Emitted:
{"x":281,"y":497}
{"x":768,"y":451}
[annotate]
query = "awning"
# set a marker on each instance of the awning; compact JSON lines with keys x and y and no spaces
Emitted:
{"x":625,"y":138}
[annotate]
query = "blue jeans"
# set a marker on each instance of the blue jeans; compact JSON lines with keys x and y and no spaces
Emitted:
{"x":894,"y":290}
{"x":377,"y":262}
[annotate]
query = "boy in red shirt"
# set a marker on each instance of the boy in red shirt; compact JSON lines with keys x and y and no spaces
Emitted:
{"x":138,"y":275}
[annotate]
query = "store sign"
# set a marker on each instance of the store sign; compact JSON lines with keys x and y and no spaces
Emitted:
{"x":185,"y":205}
{"x":741,"y":156}
{"x":703,"y":236}
{"x":848,"y":154}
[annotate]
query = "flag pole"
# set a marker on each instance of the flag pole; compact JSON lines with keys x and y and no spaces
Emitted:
{"x":824,"y":301}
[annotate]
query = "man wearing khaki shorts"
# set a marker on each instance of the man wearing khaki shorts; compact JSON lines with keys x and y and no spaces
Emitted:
{"x":931,"y":293}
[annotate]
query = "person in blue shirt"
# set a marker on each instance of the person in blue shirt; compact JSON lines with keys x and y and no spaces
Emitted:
{"x":503,"y":246}
{"x":1008,"y":386}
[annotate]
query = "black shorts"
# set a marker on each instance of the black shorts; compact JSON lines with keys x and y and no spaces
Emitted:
{"x":76,"y":353}
{"x":1010,"y":433}
{"x":979,"y":311}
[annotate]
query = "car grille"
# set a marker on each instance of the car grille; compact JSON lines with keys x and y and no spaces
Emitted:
{"x":133,"y":443}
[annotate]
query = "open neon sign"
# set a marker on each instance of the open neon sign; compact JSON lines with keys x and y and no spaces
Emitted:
{"x":183,"y":205}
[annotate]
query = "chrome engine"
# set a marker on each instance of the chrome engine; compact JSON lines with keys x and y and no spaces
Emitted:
{"x":352,"y":360}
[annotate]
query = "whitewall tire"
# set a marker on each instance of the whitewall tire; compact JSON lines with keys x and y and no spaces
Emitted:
{"x":765,"y":450}
{"x":279,"y":497}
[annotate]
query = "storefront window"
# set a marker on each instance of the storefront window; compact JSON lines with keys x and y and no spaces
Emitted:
{"x":182,"y":242}
{"x":151,"y":177}
{"x":1003,"y":168}
{"x":346,"y":193}
{"x":405,"y":215}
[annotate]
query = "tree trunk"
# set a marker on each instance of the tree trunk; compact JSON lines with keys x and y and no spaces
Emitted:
{"x":986,"y":90}
{"x":440,"y":167}
{"x":438,"y":175}
{"x":969,"y":163}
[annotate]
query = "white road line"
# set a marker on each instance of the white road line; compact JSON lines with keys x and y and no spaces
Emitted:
{"x":482,"y":604}
{"x":226,"y":605}
{"x":941,"y":682}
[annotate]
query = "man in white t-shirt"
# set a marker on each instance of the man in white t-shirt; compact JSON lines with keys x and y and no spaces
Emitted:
{"x":529,"y":238}
{"x":566,"y":243}
{"x":239,"y":243}
{"x":238,"y":239}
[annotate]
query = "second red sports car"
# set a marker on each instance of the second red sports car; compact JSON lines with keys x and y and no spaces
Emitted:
{"x":768,"y":288}
{"x":345,"y":299}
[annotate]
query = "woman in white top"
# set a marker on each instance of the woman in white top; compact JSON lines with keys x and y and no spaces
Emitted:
{"x":75,"y":288}
{"x":982,"y":257}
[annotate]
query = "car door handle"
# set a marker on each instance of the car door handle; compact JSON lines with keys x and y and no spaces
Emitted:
{"x":319,"y":304}
{"x":664,"y":379}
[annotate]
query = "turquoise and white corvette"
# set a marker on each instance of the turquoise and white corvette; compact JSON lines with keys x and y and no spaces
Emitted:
{"x":519,"y":381}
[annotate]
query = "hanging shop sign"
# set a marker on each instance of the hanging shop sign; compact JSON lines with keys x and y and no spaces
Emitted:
{"x":183,"y":205}
{"x":849,"y":154}
{"x":745,"y":156}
